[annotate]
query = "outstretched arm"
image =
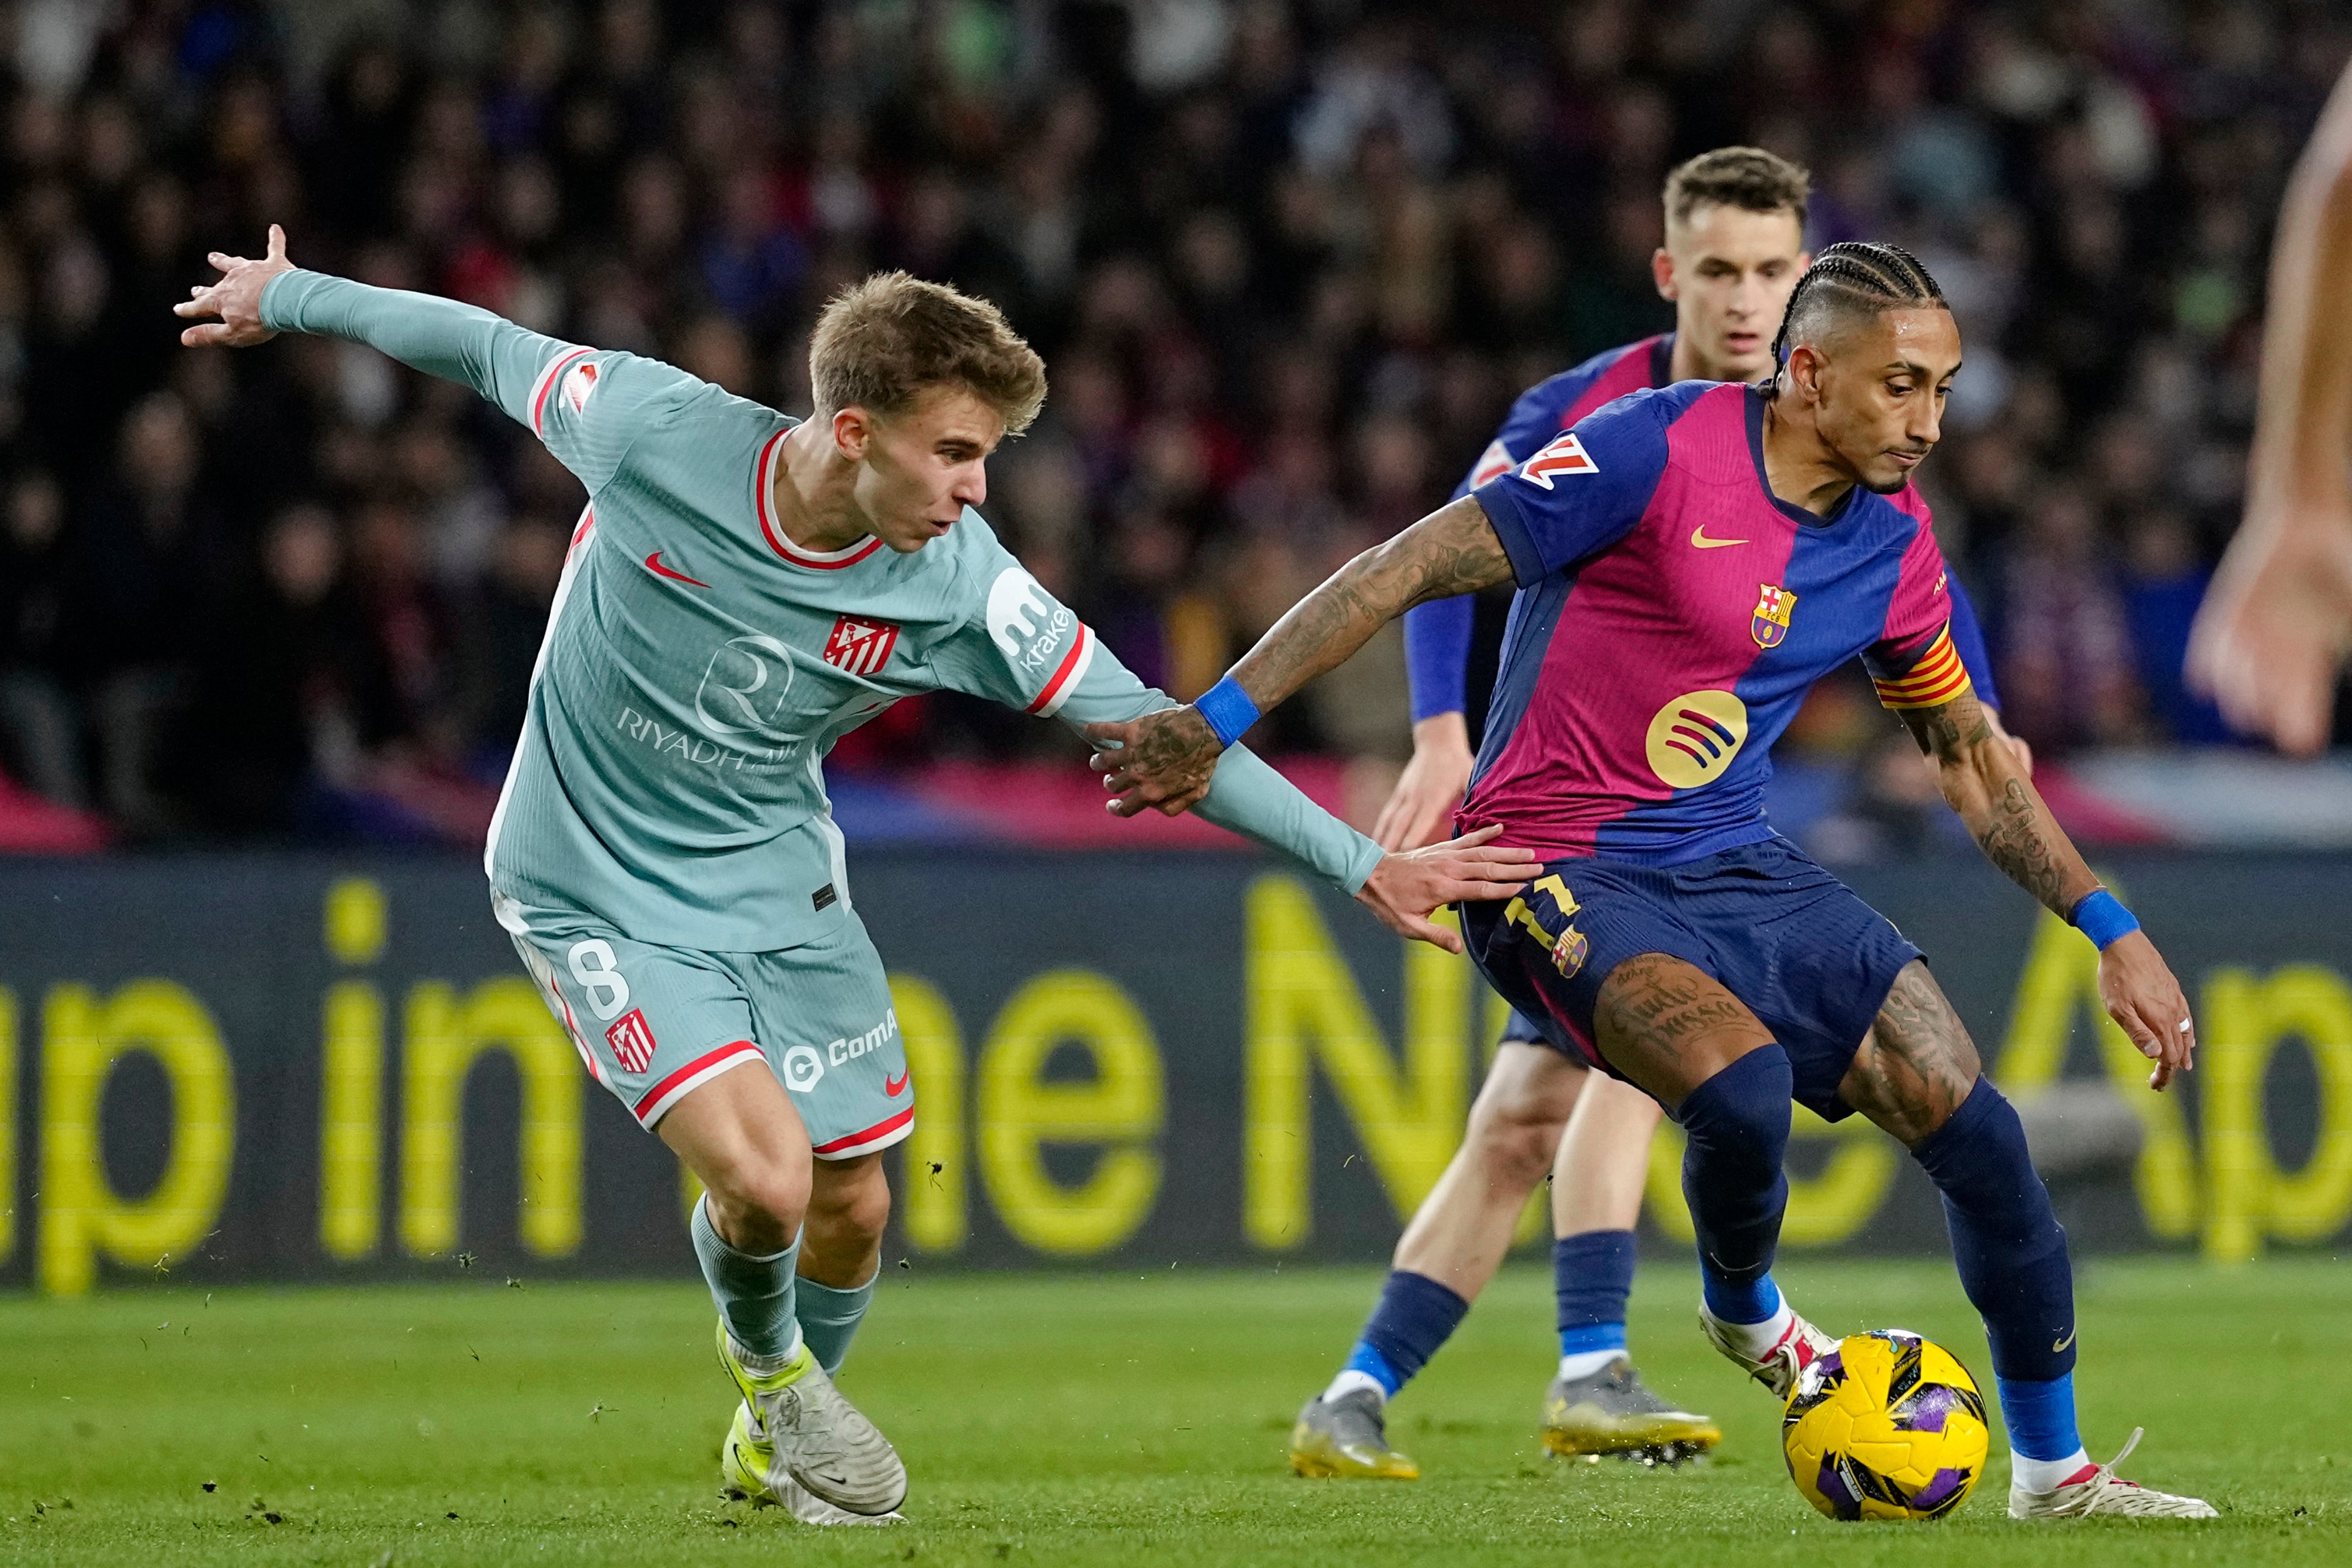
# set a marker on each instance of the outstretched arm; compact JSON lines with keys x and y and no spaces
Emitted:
{"x":1166,"y":759}
{"x":516,"y":369}
{"x":440,"y":337}
{"x":1978,"y":773}
{"x":1031,"y":652}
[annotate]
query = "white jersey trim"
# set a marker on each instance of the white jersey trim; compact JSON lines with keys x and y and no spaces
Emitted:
{"x":1065,"y":680}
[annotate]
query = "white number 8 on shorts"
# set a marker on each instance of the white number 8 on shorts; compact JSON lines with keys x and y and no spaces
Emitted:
{"x":591,"y":965}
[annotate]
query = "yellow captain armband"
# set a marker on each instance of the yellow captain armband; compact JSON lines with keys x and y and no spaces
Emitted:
{"x":1938,"y":677}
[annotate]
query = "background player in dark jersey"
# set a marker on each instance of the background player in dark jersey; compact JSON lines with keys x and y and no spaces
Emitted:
{"x":1690,"y":563}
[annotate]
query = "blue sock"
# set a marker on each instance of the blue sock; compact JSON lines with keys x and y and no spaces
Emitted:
{"x":2011,"y":1254}
{"x":1731,"y":1302}
{"x":1738,"y":1126}
{"x":829,"y":1318}
{"x":2041,"y":1416}
{"x":754,"y":1293}
{"x":1415,"y":1315}
{"x":1593,"y":1275}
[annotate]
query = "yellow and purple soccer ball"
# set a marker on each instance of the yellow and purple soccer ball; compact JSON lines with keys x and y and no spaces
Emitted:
{"x":1887,"y":1426}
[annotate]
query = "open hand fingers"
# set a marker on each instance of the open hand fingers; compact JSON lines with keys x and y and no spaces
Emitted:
{"x":276,"y":243}
{"x":211,"y":335}
{"x":1109,"y":737}
{"x":1423,"y":929}
{"x":1405,"y":820}
{"x":1480,"y":889}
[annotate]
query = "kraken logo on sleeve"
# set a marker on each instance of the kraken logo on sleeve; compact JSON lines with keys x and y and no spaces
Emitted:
{"x":1695,"y":737}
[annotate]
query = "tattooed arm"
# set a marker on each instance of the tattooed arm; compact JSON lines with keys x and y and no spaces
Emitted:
{"x":1980,"y":779}
{"x":1164,"y":759}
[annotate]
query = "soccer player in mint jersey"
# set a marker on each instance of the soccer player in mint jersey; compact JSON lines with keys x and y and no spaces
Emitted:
{"x":1734,"y":221}
{"x":1673,"y":939}
{"x":742,"y":589}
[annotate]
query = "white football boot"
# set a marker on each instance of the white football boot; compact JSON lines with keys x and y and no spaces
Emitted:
{"x":819,"y":1439}
{"x":2101,"y":1492}
{"x":748,"y":1465}
{"x":1797,"y":1349}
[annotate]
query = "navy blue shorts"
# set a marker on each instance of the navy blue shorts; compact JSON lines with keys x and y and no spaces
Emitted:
{"x":1809,"y":958}
{"x":1521,"y":1030}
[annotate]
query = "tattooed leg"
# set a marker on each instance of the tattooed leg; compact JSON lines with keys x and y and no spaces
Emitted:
{"x":1916,"y":1065}
{"x":1691,"y":1043}
{"x":1668,"y":1027}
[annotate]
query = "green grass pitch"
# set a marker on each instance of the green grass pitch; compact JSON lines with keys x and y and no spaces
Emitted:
{"x":1082,"y":1419}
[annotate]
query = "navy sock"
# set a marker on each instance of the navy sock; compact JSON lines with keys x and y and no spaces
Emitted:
{"x":1738,"y":1126}
{"x":1415,"y":1315}
{"x":2011,"y":1254}
{"x":1593,"y":1275}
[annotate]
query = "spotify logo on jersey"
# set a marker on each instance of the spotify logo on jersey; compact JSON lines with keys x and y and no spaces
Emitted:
{"x":1694,"y":737}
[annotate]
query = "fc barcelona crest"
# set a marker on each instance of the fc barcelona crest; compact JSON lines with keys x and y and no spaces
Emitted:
{"x":1567,"y":954}
{"x":1770,"y":623}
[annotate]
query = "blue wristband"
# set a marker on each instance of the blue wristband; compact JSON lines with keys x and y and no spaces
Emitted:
{"x":1228,"y":709}
{"x":2102,"y":918}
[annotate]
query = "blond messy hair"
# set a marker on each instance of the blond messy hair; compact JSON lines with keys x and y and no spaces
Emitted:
{"x":882,"y":343}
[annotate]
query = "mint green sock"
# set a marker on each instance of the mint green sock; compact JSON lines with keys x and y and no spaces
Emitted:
{"x":829,"y":1318}
{"x":754,"y":1293}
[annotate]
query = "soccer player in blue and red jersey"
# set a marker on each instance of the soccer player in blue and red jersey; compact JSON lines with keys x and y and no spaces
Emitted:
{"x":1690,"y":561}
{"x":1735,"y":223}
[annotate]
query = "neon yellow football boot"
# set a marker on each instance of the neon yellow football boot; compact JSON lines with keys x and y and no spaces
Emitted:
{"x":816,"y":1437}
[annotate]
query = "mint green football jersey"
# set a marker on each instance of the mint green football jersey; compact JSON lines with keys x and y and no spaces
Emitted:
{"x":699,"y":665}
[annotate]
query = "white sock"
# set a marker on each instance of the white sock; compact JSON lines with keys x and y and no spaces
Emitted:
{"x":1754,"y":1341}
{"x":1585,"y":1362}
{"x":2047,"y":1475}
{"x":1348,"y":1381}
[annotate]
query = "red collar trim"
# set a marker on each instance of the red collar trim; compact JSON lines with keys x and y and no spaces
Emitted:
{"x":764,"y":500}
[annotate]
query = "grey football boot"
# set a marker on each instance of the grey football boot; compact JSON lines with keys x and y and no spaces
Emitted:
{"x":1611,"y":1411}
{"x":1348,"y":1437}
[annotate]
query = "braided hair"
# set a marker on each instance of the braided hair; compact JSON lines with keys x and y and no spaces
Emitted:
{"x":1855,"y":277}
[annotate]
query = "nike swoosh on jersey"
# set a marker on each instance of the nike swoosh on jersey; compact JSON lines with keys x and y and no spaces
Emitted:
{"x":894,"y":1087}
{"x":2063,"y":1343}
{"x":1698,"y":538}
{"x":653,"y":564}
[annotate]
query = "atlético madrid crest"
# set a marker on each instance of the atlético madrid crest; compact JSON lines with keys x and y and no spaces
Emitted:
{"x":861,"y":647}
{"x":1769,"y":624}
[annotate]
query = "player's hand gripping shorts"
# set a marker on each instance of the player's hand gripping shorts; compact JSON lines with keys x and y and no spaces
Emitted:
{"x":1808,"y":958}
{"x":654,"y":1023}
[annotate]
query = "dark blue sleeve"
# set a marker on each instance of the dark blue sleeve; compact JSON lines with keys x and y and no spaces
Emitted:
{"x":1968,"y":641}
{"x":1587,"y":488}
{"x":1437,"y":655}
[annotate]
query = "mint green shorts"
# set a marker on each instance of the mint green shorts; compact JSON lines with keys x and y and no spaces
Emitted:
{"x":653,"y":1023}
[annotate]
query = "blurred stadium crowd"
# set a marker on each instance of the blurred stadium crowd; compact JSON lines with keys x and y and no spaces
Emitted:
{"x":1288,"y":264}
